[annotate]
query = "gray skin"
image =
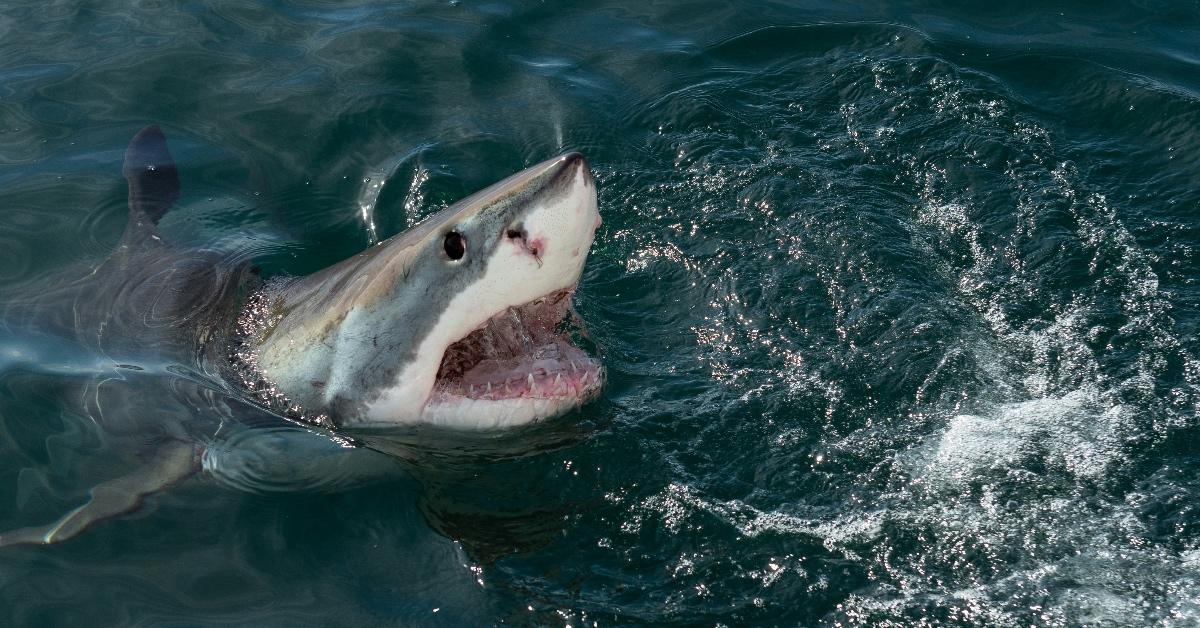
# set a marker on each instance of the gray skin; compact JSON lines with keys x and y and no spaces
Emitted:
{"x":174,"y":313}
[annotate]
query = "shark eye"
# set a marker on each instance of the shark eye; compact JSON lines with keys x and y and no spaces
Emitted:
{"x":455,"y":245}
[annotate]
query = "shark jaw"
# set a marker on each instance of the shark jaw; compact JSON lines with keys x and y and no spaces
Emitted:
{"x":456,"y":322}
{"x":518,"y":367}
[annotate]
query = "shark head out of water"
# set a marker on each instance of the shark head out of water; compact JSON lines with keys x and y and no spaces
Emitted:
{"x":457,"y":322}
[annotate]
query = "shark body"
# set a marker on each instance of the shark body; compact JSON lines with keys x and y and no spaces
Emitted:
{"x":456,"y":323}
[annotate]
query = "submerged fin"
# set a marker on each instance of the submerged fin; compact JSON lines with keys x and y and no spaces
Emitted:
{"x":174,"y":461}
{"x":152,"y":175}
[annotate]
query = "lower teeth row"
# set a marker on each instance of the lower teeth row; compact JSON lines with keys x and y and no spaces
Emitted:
{"x":530,"y":384}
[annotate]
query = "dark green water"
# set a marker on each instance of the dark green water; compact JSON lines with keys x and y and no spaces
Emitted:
{"x":899,"y":307}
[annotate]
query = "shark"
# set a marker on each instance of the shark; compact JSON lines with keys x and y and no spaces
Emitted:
{"x":462,"y":323}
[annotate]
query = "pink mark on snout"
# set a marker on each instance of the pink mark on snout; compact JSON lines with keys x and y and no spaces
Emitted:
{"x":537,"y":247}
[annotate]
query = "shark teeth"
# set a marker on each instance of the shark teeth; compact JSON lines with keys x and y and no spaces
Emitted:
{"x":561,"y":381}
{"x":557,"y":375}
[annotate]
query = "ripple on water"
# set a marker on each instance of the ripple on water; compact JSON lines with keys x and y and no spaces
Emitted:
{"x":292,"y":459}
{"x":904,"y":252}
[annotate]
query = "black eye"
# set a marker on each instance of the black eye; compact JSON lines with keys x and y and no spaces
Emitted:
{"x":514,"y":234}
{"x":455,"y":245}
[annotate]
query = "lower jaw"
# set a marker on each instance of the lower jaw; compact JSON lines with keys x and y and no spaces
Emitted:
{"x":484,"y":414}
{"x":518,"y":368}
{"x":554,"y":370}
{"x":527,"y":397}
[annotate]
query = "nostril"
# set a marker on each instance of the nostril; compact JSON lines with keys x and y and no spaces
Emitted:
{"x":518,"y":233}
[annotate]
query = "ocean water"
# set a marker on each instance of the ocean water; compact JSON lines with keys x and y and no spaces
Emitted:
{"x":899,"y":306}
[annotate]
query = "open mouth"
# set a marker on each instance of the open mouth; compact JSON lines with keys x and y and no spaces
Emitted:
{"x":524,"y":352}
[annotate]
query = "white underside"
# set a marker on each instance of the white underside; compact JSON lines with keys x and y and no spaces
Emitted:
{"x":482,"y":414}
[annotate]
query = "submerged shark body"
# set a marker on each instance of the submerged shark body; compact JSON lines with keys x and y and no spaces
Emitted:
{"x":454,"y":323}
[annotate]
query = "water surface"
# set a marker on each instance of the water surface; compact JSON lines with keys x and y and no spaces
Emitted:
{"x":899,"y":306}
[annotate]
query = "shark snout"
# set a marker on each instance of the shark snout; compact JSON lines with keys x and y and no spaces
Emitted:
{"x":556,"y":234}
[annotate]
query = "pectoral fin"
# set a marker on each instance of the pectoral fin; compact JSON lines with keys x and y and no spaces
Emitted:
{"x":172,"y":462}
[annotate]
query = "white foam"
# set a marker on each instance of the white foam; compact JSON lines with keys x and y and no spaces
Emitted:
{"x":1074,"y":432}
{"x":677,"y":501}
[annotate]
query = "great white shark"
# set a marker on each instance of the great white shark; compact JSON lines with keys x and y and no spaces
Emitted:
{"x":456,"y":323}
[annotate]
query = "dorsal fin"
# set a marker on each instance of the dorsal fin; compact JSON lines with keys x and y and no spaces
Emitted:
{"x":152,"y":176}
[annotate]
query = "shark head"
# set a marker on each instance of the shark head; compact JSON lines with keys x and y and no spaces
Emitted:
{"x":455,"y":322}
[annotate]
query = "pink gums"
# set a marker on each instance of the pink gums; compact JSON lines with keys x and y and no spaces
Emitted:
{"x":519,"y":353}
